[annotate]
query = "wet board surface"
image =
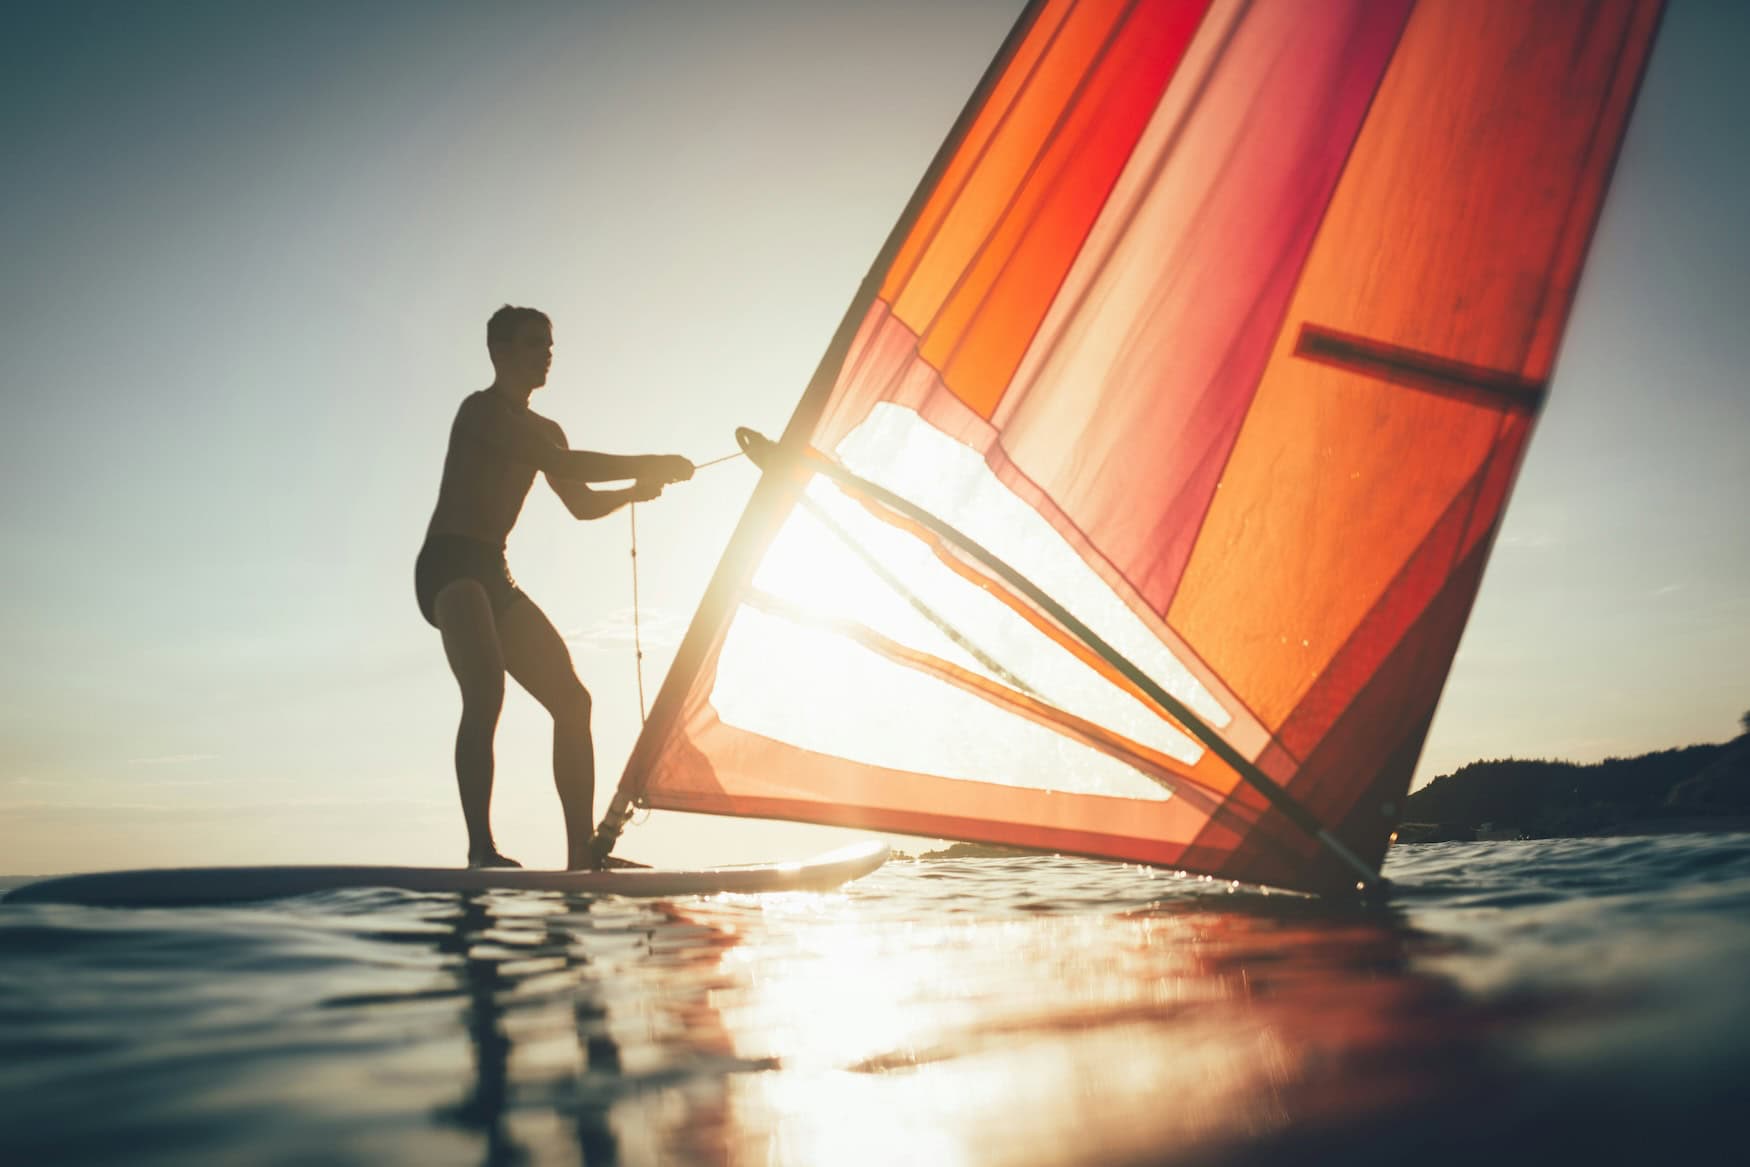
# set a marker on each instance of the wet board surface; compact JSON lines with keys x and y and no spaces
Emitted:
{"x":217,"y":885}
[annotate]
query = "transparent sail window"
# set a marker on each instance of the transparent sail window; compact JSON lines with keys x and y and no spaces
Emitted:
{"x":900,"y":451}
{"x":826,"y":693}
{"x":835,"y":561}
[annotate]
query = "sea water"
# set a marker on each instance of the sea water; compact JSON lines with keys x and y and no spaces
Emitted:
{"x":1556,"y":1001}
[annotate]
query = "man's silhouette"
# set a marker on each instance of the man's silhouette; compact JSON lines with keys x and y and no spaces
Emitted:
{"x":497,"y":446}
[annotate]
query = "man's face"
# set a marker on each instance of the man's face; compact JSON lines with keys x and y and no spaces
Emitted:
{"x":525,"y":360}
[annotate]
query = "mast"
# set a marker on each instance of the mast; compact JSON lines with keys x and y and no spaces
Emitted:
{"x":769,"y":504}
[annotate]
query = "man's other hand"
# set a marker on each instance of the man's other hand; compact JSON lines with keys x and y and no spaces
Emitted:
{"x":645,"y":489}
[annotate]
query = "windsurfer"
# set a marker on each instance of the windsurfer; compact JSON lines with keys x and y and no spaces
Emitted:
{"x":497,"y":446}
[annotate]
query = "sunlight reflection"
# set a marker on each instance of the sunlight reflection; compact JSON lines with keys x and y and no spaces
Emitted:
{"x":1162,"y":1020}
{"x":1054,"y":1039}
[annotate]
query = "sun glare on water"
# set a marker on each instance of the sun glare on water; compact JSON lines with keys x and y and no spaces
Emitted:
{"x":905,"y":1043}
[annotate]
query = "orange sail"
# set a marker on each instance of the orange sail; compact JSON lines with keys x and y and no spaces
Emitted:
{"x":1140,"y":501}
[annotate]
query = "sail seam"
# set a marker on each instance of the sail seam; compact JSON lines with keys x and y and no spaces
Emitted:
{"x":1468,"y":498}
{"x":1071,"y":840}
{"x":1287,"y":312}
{"x":1239,"y":356}
{"x":898,"y":279}
{"x":1121,"y":236}
{"x":1288,"y":304}
{"x":1065,"y":115}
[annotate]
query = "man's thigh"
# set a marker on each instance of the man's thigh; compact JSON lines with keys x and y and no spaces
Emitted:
{"x":536,"y":655}
{"x":471,"y":639}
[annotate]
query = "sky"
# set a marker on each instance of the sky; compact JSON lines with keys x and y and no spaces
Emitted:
{"x":249,"y":250}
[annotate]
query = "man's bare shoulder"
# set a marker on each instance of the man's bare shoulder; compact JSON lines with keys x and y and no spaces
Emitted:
{"x":549,"y":427}
{"x":475,"y":406}
{"x":486,"y":410}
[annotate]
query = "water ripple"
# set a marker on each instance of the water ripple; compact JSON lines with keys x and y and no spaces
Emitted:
{"x":1530,"y":1000}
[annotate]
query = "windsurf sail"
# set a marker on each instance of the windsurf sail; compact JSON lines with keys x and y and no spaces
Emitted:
{"x":1139,"y":502}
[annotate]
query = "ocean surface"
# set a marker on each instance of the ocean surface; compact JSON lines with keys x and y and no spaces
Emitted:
{"x":1554,"y":1001}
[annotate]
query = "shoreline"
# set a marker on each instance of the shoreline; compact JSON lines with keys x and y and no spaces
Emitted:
{"x":1635,"y":828}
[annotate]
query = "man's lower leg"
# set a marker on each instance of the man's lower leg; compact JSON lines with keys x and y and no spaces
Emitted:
{"x":574,"y":775}
{"x":474,"y":765}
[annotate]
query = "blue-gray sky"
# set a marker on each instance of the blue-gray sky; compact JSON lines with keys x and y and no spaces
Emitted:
{"x":248,"y":254}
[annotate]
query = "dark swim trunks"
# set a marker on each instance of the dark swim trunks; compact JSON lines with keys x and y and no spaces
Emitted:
{"x":447,"y":558}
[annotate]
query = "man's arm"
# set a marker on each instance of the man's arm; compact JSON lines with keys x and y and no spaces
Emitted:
{"x":582,"y":466}
{"x":584,"y":503}
{"x":654,"y":471}
{"x":539,"y":442}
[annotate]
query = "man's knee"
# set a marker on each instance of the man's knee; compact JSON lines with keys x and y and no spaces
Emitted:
{"x":573,"y":705}
{"x":482,"y":696}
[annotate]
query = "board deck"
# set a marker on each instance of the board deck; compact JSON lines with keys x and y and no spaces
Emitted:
{"x":218,"y":885}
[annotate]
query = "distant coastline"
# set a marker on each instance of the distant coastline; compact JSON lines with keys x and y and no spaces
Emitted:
{"x":1694,"y":788}
{"x":1700,"y":788}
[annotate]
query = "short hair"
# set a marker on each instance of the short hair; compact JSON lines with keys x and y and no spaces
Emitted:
{"x":502,"y":325}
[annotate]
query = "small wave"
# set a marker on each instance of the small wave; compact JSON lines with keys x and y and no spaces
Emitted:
{"x":1017,"y":1009}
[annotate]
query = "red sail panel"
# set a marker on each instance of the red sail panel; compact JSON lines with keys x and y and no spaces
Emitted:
{"x":1005,"y":142}
{"x":1450,"y":236}
{"x":1452,"y":257}
{"x":950,"y":246}
{"x":1176,"y":302}
{"x":1226,"y":323}
{"x":978,"y":335}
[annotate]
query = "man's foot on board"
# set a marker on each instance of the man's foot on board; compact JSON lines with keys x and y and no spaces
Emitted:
{"x":491,"y":859}
{"x":604,"y":863}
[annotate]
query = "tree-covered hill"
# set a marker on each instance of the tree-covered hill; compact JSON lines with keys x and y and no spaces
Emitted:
{"x":1699,"y":783}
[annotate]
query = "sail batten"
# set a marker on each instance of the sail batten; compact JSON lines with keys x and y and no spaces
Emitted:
{"x":1418,"y":370}
{"x":1182,"y":406}
{"x":1171,"y":774}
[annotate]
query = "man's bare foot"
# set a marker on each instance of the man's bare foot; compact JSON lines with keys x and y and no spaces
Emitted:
{"x":491,"y":859}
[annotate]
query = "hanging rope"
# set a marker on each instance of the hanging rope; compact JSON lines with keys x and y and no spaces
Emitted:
{"x":637,"y":632}
{"x":637,"y":640}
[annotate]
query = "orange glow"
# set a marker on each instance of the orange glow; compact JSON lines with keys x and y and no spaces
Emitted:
{"x":1095,"y":331}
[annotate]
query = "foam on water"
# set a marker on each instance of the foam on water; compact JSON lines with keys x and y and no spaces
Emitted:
{"x":1534,"y":1001}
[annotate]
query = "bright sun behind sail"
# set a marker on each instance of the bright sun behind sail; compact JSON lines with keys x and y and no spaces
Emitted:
{"x":1140,"y":501}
